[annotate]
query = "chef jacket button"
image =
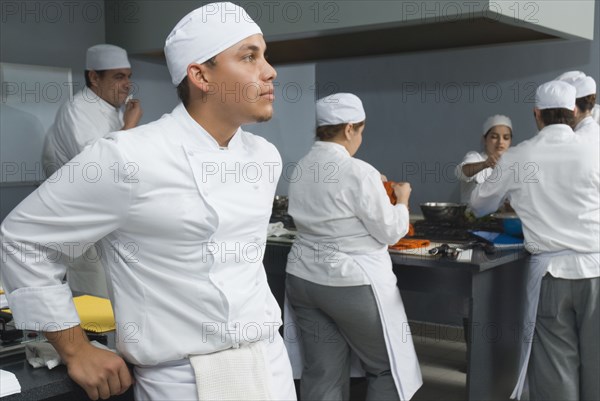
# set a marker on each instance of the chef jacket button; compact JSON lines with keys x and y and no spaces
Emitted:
{"x":256,"y":187}
{"x":190,"y":153}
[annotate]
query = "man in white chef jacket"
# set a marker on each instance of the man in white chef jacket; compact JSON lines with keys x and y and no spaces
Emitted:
{"x":553,"y":183}
{"x":181,"y":211}
{"x":93,"y":112}
{"x":585,"y":87}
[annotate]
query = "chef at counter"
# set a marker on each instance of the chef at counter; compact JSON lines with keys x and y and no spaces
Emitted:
{"x":476,"y":167}
{"x":339,"y":273}
{"x":585,"y":88}
{"x":559,"y":207}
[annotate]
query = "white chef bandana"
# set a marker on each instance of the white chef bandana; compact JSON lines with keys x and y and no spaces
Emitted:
{"x":498,"y":119}
{"x":204,"y":33}
{"x":583,"y":84}
{"x":555,"y":95}
{"x":106,"y":57}
{"x":340,"y":108}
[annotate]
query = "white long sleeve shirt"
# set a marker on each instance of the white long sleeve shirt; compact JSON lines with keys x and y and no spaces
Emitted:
{"x":78,"y":123}
{"x":182,"y":225}
{"x":588,"y":126}
{"x":468,"y":184}
{"x":553,"y":183}
{"x":340,"y":208}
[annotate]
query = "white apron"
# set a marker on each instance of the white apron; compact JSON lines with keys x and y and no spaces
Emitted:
{"x":404,"y":364}
{"x":398,"y":338}
{"x":537,"y":269}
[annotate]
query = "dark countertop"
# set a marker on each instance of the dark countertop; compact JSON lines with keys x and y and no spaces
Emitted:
{"x":480,"y":261}
{"x":45,"y":384}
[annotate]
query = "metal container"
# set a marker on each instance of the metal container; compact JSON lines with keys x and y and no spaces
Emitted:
{"x":443,"y":212}
{"x":280,"y":206}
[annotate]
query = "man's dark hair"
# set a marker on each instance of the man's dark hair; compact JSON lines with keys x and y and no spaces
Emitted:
{"x":328,"y":132}
{"x":88,"y":82}
{"x":586,"y":103}
{"x":183,"y":89}
{"x":558,"y":116}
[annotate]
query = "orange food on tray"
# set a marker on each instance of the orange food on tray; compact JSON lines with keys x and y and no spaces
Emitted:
{"x":406,"y":243}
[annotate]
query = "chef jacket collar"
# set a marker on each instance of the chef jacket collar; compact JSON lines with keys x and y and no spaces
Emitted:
{"x":336,"y":147}
{"x":91,"y":97}
{"x":562,"y":130}
{"x":199,"y":136}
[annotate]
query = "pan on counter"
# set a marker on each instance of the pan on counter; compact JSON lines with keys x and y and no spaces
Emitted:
{"x":443,"y":212}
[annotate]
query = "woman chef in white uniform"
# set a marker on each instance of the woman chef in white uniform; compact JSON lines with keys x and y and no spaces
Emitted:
{"x":340,"y":282}
{"x":476,"y":167}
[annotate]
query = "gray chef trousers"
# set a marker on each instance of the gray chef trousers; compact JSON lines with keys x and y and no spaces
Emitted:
{"x":565,"y":356}
{"x":332,"y":321}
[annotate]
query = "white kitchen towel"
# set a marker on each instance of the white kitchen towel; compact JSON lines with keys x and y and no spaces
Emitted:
{"x":40,"y":354}
{"x":233,"y":374}
{"x":277,"y":230}
{"x":9,"y":384}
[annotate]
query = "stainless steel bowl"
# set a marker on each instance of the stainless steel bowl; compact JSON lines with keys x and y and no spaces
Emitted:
{"x":443,"y":212}
{"x":280,"y":205}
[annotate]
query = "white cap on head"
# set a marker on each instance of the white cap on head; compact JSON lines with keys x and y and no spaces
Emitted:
{"x":340,"y":108}
{"x":555,"y":95}
{"x":204,"y":33}
{"x":498,"y":119}
{"x":569,"y":75}
{"x":106,"y":57}
{"x":584,"y":86}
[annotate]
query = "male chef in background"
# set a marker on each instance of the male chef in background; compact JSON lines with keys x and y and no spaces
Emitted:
{"x":181,"y":212}
{"x":553,"y":183}
{"x":585,"y":88}
{"x":93,"y":112}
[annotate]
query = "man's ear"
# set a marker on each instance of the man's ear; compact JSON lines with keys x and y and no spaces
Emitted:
{"x":94,"y":77}
{"x":575,"y":111}
{"x":199,"y":76}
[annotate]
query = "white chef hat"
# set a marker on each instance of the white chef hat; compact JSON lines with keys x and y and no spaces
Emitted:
{"x":106,"y":57}
{"x":204,"y":33}
{"x":583,"y":84}
{"x":569,"y":75}
{"x":555,"y":95}
{"x":498,"y":119}
{"x":340,"y":108}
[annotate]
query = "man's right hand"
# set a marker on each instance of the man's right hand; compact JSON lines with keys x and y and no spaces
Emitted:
{"x":132,"y":114}
{"x":99,"y":372}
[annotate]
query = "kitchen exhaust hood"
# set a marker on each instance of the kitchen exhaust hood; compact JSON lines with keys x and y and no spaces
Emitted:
{"x":310,"y":30}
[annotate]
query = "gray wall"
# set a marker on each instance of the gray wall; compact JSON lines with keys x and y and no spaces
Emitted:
{"x":58,"y":34}
{"x":48,"y":34}
{"x":292,"y":128}
{"x":425,"y":110}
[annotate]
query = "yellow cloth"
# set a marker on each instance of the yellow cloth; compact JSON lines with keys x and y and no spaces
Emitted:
{"x":95,"y":313}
